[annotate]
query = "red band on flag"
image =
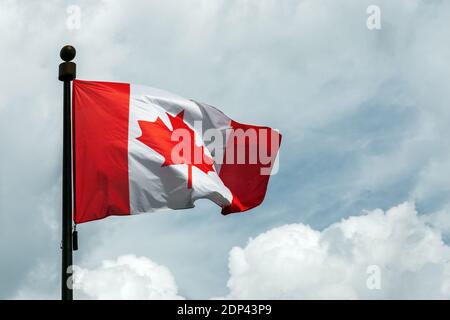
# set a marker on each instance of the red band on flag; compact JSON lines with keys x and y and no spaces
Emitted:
{"x":100,"y":139}
{"x":245,"y":180}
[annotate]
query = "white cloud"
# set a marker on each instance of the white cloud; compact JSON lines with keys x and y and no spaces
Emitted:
{"x":127,"y":277}
{"x":300,"y":66}
{"x":295,"y":261}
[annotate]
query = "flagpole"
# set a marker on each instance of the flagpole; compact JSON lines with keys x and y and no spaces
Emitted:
{"x":67,"y":73}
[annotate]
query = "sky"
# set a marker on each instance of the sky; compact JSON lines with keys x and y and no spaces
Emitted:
{"x":360,"y":206}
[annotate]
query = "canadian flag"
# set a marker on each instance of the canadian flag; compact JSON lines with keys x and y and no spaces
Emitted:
{"x":139,"y":149}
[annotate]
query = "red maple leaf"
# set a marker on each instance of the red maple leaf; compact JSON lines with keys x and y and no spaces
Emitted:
{"x":158,"y":136}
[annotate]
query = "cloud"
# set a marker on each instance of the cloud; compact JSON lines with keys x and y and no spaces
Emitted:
{"x":439,"y":220}
{"x":393,"y":254}
{"x":296,"y":262}
{"x":364,"y":116}
{"x":127,"y":277}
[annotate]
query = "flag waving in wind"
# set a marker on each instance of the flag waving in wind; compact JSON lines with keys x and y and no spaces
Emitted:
{"x":139,"y":149}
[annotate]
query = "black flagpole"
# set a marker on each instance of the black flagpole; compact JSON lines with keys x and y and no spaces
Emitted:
{"x":67,"y":73}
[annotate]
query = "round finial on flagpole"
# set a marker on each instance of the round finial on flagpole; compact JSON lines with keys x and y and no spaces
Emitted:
{"x":67,"y":69}
{"x":67,"y":53}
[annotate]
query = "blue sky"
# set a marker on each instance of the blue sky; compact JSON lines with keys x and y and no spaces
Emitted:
{"x":363,"y":113}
